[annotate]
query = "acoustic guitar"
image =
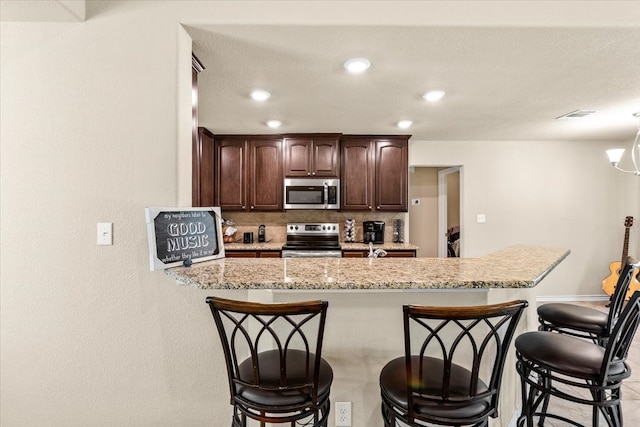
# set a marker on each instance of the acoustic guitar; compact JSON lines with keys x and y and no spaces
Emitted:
{"x":609,"y":283}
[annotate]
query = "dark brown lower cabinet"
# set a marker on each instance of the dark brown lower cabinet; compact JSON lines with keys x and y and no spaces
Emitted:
{"x":251,"y":254}
{"x":390,"y":253}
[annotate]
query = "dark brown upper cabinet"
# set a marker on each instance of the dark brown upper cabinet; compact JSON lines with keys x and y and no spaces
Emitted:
{"x":203,"y":167}
{"x":375,"y":173}
{"x":248,"y":173}
{"x":312,"y":155}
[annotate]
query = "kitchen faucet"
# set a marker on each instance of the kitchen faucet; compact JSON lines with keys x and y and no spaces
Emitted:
{"x":377,"y":253}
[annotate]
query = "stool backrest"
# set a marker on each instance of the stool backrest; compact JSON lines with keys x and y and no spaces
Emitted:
{"x":619,"y":294}
{"x":249,"y":331}
{"x":474,"y":337}
{"x":620,"y":340}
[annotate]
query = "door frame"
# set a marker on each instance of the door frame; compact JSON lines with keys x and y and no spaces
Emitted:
{"x":442,"y":210}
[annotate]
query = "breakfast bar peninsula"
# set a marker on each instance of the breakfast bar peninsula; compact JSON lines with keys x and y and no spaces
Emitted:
{"x":364,"y":326}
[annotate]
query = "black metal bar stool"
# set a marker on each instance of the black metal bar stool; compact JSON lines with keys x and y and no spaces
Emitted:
{"x":585,"y":322}
{"x":273,"y":356}
{"x":452,"y":367}
{"x":576,"y":370}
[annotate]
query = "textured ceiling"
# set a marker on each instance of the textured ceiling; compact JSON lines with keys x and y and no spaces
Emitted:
{"x":502,"y":83}
{"x":42,"y":10}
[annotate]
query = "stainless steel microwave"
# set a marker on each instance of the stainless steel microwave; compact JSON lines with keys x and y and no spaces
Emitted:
{"x":311,"y":193}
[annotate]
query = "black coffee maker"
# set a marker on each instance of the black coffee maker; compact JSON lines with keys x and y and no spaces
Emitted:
{"x":373,"y":231}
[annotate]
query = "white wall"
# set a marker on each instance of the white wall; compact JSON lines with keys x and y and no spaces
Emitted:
{"x":559,"y":193}
{"x":89,"y":134}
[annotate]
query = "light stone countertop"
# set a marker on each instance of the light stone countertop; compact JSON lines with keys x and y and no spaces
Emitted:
{"x":514,"y":267}
{"x":276,"y":246}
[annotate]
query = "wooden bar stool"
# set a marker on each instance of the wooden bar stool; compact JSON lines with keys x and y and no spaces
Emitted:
{"x":452,"y":368}
{"x":576,"y":370}
{"x":585,"y":322}
{"x":274,"y":364}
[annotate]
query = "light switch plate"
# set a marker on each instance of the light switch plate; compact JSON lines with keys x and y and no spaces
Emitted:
{"x":105,"y":233}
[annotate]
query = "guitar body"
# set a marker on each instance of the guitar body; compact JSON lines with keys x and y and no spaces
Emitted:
{"x":610,"y":282}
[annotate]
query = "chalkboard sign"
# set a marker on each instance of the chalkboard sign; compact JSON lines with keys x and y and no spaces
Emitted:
{"x":180,"y":236}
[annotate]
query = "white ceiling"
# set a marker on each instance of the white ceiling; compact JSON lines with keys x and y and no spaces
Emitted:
{"x":509,"y":67}
{"x":42,"y":10}
{"x":502,"y":83}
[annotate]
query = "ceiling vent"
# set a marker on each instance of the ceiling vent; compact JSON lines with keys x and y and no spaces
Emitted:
{"x":578,"y":114}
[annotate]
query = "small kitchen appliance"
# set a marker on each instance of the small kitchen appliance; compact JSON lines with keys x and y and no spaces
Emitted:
{"x":247,"y":237}
{"x":373,"y":231}
{"x":312,"y":240}
{"x":261,"y":234}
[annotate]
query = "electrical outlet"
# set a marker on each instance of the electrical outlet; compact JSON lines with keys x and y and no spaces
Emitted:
{"x":415,"y":202}
{"x":343,"y":414}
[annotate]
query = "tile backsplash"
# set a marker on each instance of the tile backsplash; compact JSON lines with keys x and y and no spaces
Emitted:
{"x":276,"y":222}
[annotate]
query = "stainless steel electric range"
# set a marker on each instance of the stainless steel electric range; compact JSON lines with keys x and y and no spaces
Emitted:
{"x":312,"y":240}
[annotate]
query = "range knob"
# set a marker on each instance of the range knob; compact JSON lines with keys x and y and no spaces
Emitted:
{"x":324,"y":227}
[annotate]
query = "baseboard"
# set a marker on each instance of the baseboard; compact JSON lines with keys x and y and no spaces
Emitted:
{"x":571,"y":298}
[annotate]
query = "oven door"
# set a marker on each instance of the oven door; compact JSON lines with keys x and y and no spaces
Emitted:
{"x":311,"y":253}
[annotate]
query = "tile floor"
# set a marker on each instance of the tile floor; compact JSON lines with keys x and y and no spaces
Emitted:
{"x":630,"y":392}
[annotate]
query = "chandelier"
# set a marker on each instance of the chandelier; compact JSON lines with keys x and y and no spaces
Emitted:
{"x":615,"y":155}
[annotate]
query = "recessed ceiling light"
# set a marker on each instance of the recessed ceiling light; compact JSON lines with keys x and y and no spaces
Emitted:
{"x":433,"y":95}
{"x":404,"y":124}
{"x":274,"y":124}
{"x":260,"y":95}
{"x":357,"y":65}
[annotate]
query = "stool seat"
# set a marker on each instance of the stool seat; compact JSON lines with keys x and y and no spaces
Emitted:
{"x":566,"y":354}
{"x":394,"y":379}
{"x":269,"y":392}
{"x":575,"y":316}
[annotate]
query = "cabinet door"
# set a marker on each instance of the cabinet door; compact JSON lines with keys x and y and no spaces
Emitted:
{"x":230,"y":174}
{"x":265,"y":187}
{"x":357,"y":174}
{"x":311,"y":156}
{"x":297,"y":157}
{"x":203,"y":178}
{"x":241,"y":254}
{"x":401,"y":254}
{"x":353,"y":254}
{"x":269,"y":254}
{"x":325,"y":157}
{"x":391,"y":160}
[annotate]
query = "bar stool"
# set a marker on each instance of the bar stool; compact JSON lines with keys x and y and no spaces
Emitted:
{"x":274,"y":364}
{"x":576,"y":370}
{"x":585,"y":322}
{"x":452,"y":368}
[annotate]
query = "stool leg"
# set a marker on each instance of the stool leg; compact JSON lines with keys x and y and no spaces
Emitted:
{"x":545,"y":403}
{"x":528,"y":395}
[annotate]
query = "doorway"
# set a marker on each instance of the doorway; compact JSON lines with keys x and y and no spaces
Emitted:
{"x":434,"y":208}
{"x":449,"y":235}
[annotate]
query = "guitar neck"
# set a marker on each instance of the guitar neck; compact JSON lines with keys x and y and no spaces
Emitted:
{"x":625,"y":247}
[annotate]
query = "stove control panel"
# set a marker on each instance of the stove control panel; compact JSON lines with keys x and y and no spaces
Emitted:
{"x":315,"y":228}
